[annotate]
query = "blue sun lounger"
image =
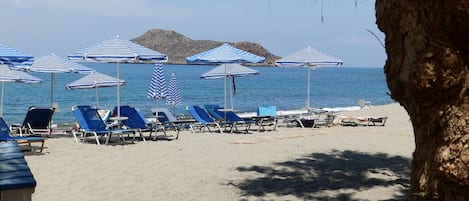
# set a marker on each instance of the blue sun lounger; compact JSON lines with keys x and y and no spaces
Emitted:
{"x":203,"y":118}
{"x":5,"y":136}
{"x":91,"y":123}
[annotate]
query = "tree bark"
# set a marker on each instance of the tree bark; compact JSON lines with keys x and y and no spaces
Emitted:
{"x":427,"y":43}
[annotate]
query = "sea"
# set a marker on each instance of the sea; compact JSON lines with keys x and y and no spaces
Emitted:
{"x":332,"y":88}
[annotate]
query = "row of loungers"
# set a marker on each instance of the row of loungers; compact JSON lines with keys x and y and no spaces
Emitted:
{"x":130,"y":122}
{"x":228,"y":121}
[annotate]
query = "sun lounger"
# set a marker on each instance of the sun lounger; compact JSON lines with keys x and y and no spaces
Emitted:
{"x":5,"y":136}
{"x":36,"y":122}
{"x":203,"y":118}
{"x":136,"y":121}
{"x":228,"y":118}
{"x":266,"y":117}
{"x":91,"y":123}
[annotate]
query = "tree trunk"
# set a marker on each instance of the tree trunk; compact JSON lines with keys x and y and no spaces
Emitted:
{"x":427,"y":43}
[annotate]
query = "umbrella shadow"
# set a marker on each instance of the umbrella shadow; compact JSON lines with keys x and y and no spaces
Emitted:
{"x":307,"y":176}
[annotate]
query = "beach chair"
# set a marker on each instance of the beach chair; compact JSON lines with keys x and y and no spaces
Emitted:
{"x":203,"y":118}
{"x":91,"y":123}
{"x":169,"y":121}
{"x":228,"y":118}
{"x":266,"y":117}
{"x":36,"y":122}
{"x":5,"y":136}
{"x":136,"y":121}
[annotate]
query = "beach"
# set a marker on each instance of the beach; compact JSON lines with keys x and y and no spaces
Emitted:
{"x":330,"y":163}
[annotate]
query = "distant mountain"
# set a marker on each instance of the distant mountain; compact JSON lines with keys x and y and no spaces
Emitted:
{"x":177,"y":46}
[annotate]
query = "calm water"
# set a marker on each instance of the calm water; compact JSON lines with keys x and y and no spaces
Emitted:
{"x":283,"y":87}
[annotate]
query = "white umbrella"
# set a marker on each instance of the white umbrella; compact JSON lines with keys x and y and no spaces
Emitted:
{"x":224,"y":54}
{"x":8,"y":75}
{"x":117,"y":50}
{"x":230,"y":70}
{"x":310,"y":58}
{"x":94,"y":81}
{"x":54,"y":64}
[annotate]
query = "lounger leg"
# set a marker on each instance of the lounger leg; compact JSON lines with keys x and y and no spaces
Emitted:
{"x":42,"y":145}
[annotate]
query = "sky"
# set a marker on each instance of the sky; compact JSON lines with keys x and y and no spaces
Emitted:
{"x":42,"y":27}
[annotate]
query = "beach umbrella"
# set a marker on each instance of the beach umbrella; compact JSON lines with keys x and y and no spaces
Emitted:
{"x":224,"y":54}
{"x":311,"y":59}
{"x":8,"y":75}
{"x":174,"y":95}
{"x":157,"y":88}
{"x":54,"y":64}
{"x":94,"y":81}
{"x":231,"y":71}
{"x":118,"y":50}
{"x":13,"y":57}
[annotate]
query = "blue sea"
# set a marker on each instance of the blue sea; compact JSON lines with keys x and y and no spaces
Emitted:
{"x":331,"y":87}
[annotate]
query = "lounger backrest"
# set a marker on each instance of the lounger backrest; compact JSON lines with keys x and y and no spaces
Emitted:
{"x":200,"y":114}
{"x":213,"y":111}
{"x":164,"y":114}
{"x":231,"y":116}
{"x":89,"y":118}
{"x":267,"y":111}
{"x":134,"y":120}
{"x":38,"y":118}
{"x":4,"y":129}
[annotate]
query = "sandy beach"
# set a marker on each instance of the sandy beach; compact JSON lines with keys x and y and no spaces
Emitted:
{"x":334,"y":163}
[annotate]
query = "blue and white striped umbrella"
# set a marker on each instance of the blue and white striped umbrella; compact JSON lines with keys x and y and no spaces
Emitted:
{"x":174,"y":95}
{"x":55,"y":64}
{"x":311,"y":58}
{"x":118,"y":50}
{"x":8,"y":75}
{"x":225,"y":54}
{"x":157,"y":88}
{"x":95,"y":80}
{"x":13,"y":57}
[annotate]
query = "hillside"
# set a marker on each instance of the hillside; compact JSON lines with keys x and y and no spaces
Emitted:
{"x":177,"y":46}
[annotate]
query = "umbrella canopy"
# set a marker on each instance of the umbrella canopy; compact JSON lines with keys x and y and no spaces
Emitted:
{"x":95,"y":80}
{"x":174,"y":95}
{"x":231,"y":70}
{"x":310,"y":58}
{"x":54,"y":64}
{"x":8,"y":75}
{"x":14,"y":57}
{"x":118,"y":50}
{"x":225,"y":54}
{"x":157,"y":88}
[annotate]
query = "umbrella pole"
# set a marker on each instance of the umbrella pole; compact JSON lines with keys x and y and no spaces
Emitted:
{"x":97,"y":98}
{"x":309,"y":87}
{"x":156,"y":111}
{"x":1,"y":105}
{"x":52,"y":89}
{"x":224,"y":90}
{"x":118,"y":91}
{"x":232,"y":93}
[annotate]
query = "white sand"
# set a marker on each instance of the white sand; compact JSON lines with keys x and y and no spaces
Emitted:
{"x":360,"y":163}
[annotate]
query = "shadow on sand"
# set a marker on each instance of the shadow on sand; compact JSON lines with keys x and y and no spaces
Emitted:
{"x":306,"y":177}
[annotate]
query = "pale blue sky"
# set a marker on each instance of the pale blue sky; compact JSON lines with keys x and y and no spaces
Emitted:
{"x":41,"y":27}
